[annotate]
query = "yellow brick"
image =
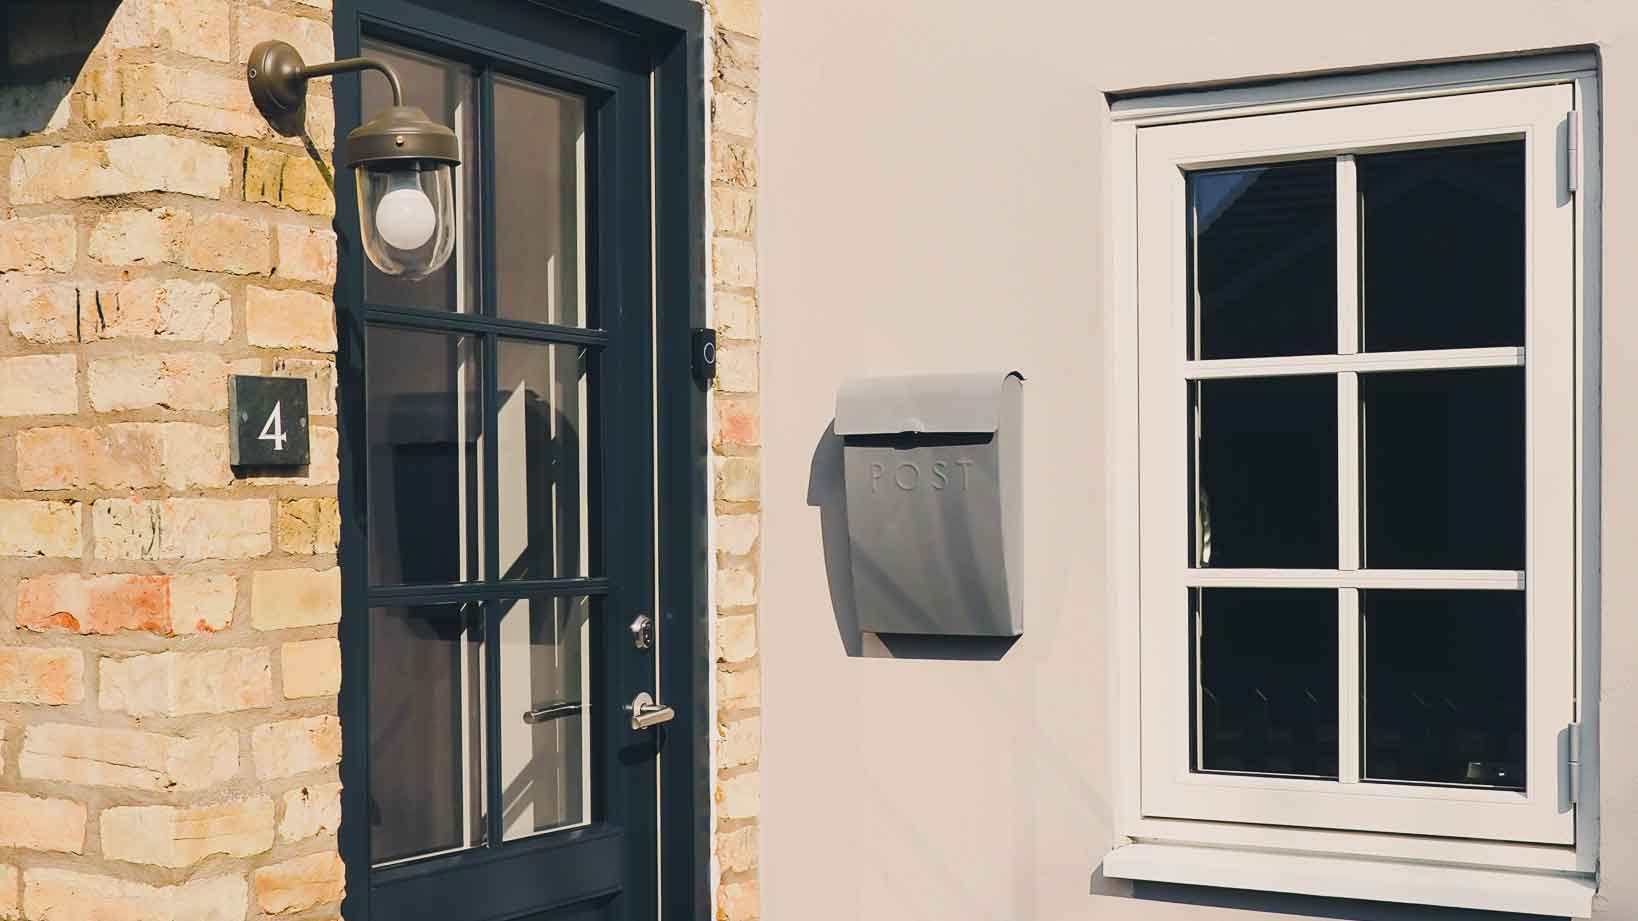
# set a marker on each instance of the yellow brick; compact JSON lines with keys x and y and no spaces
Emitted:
{"x":186,"y":683}
{"x":41,"y":824}
{"x":300,"y":884}
{"x":38,"y":528}
{"x":53,"y":677}
{"x":293,"y":747}
{"x":168,"y":836}
{"x":295,"y":598}
{"x":123,"y":166}
{"x":311,"y":668}
{"x":289,"y":319}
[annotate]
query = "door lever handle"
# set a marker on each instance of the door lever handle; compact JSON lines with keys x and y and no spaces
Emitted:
{"x":645,"y":712}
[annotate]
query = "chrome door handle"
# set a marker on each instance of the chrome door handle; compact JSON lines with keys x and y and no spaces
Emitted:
{"x":645,"y":712}
{"x":552,"y":711}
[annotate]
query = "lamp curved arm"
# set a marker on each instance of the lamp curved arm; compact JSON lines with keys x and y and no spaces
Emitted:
{"x":278,"y":82}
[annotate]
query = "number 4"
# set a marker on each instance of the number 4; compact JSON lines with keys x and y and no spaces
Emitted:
{"x":273,"y":429}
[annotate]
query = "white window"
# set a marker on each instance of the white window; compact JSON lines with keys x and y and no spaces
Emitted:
{"x":1356,"y":426}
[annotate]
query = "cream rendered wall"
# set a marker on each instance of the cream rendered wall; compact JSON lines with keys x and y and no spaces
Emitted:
{"x":932,"y":174}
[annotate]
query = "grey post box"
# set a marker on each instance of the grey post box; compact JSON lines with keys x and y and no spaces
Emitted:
{"x":934,"y":501}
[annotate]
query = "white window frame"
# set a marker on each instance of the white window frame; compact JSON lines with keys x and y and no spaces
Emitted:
{"x":1257,"y":825}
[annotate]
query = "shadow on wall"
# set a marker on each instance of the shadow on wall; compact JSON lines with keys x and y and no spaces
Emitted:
{"x":826,"y":492}
{"x":45,"y":44}
{"x":1307,"y":906}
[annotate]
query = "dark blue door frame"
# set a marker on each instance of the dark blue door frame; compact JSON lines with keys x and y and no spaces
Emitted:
{"x":626,"y":51}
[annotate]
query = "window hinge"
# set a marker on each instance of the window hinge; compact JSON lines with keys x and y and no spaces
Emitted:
{"x":1575,"y":763}
{"x":1572,"y":151}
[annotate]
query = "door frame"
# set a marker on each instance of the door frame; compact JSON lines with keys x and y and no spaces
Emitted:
{"x":672,"y":34}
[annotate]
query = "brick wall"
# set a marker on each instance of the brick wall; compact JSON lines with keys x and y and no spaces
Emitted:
{"x":736,"y":439}
{"x":168,"y":661}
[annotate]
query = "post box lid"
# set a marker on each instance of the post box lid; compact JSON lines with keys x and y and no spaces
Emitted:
{"x":920,"y":403}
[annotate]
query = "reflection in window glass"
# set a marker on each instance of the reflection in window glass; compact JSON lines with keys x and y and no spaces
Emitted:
{"x":1264,"y":261}
{"x":425,"y":425}
{"x":1266,"y":681}
{"x":1444,"y":687}
{"x":1442,"y":248}
{"x":447,"y":92}
{"x":1443,"y":463}
{"x":1265,"y":472}
{"x":540,"y":149}
{"x":543,"y":460}
{"x":426,"y":730}
{"x":545,"y":718}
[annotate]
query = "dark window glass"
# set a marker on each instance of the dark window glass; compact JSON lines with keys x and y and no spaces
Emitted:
{"x":1264,"y":261}
{"x":1442,"y":248}
{"x":1265,"y":466}
{"x":1444,"y":678}
{"x":425,"y":427}
{"x":447,"y":92}
{"x":1266,"y":680}
{"x":1443,"y":459}
{"x":426,"y":730}
{"x":544,"y":460}
{"x":540,"y":204}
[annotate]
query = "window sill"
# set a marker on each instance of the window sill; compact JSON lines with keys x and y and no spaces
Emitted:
{"x":1554,"y":895}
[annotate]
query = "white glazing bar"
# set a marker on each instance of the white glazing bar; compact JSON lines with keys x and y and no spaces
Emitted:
{"x":1349,"y":485}
{"x":1347,"y":256}
{"x":1348,"y":690}
{"x":1481,"y":579}
{"x":1430,"y":360}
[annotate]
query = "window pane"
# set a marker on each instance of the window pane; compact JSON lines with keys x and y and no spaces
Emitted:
{"x":1266,"y":681}
{"x":1442,"y":248}
{"x":540,"y":141}
{"x":1443,"y":458}
{"x":447,"y":92}
{"x":1264,"y":258}
{"x":544,"y":458}
{"x":1444,"y":687}
{"x":426,"y":730}
{"x":1265,"y":471}
{"x":545,"y":704}
{"x":425,"y":424}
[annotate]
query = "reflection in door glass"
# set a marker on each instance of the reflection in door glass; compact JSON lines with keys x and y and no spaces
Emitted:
{"x":545,"y":702}
{"x":540,"y":166}
{"x":425,"y":425}
{"x":542,"y":440}
{"x":426,"y":730}
{"x":448,"y":93}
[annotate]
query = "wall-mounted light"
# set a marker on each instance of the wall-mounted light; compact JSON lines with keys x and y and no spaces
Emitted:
{"x":403,"y":160}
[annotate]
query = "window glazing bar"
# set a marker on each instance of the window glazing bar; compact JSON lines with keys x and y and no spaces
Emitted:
{"x":1362,"y":362}
{"x":1483,"y":579}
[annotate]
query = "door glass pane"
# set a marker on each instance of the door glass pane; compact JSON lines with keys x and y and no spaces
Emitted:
{"x":1443,"y":464}
{"x":447,"y":92}
{"x":1264,"y":472}
{"x":544,"y":458}
{"x":1444,"y":677}
{"x":1264,"y":260}
{"x":545,"y":703}
{"x":540,"y":205}
{"x":425,"y":430}
{"x":1266,"y":681}
{"x":1442,"y":248}
{"x":426,"y":730}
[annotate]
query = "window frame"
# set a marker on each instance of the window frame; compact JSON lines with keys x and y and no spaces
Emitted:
{"x":1130,"y":115}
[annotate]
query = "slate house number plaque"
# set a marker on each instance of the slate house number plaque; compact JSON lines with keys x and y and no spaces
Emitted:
{"x":269,"y":421}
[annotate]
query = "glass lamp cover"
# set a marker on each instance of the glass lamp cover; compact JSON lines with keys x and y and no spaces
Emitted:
{"x":406,"y":213}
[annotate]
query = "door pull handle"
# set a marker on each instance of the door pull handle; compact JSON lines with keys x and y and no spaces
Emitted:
{"x":552,"y":712}
{"x":646,"y":713}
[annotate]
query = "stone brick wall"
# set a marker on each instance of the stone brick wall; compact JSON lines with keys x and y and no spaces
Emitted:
{"x":168,"y":660}
{"x":168,"y":655}
{"x":736,"y":439}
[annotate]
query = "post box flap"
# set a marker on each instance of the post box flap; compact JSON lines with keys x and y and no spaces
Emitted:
{"x":922,"y":403}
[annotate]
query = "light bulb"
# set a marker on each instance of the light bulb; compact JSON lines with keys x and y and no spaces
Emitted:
{"x":405,"y":217}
